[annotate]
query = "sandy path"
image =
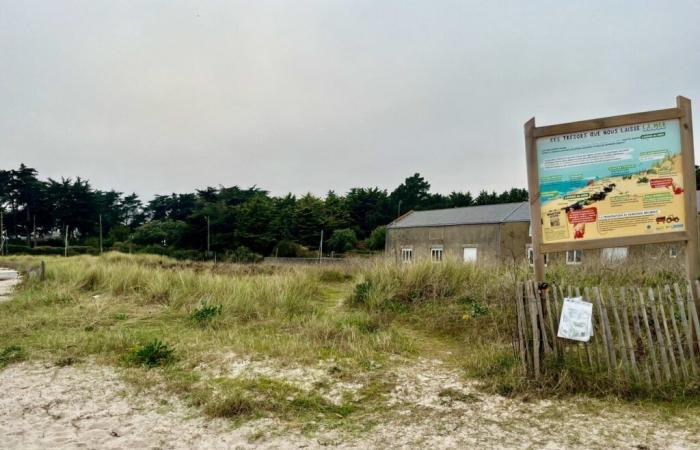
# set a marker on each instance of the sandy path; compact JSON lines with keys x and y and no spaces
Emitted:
{"x":8,"y":280}
{"x":89,"y":407}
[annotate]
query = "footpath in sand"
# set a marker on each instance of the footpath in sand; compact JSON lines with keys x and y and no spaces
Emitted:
{"x":8,"y":280}
{"x":88,"y":406}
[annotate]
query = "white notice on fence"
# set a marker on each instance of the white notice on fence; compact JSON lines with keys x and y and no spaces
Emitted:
{"x":576,"y":320}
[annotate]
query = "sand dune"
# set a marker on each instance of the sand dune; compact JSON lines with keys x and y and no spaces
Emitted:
{"x":87,"y":406}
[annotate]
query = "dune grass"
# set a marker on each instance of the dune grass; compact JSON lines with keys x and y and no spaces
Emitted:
{"x":162,"y":321}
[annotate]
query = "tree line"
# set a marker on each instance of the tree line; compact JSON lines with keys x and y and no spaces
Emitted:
{"x":233,"y":222}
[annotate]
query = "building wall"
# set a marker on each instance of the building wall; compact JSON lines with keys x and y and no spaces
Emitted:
{"x":515,"y":238}
{"x":504,"y":242}
{"x":489,"y":239}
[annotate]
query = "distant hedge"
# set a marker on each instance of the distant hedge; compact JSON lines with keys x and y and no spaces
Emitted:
{"x":47,"y":250}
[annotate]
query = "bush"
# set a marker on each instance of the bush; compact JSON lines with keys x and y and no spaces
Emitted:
{"x":152,"y":354}
{"x":46,"y":250}
{"x":161,"y":232}
{"x":10,"y":354}
{"x":19,"y":249}
{"x":342,"y":240}
{"x":290,"y":249}
{"x":243,"y":255}
{"x":377,"y":238}
{"x":206,"y":312}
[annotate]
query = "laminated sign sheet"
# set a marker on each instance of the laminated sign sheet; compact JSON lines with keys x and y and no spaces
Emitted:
{"x":576,"y":321}
{"x":612,"y":182}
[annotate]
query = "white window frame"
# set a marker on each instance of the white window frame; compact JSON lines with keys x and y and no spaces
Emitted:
{"x":571,"y":257}
{"x":673,"y":252}
{"x":476,"y":254}
{"x":434,"y":251}
{"x":406,"y":251}
{"x":615,"y":254}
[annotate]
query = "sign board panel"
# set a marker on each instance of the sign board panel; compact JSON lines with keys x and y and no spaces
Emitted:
{"x":612,"y":182}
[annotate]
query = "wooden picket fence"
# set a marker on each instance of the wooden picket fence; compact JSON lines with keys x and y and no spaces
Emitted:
{"x":644,"y":335}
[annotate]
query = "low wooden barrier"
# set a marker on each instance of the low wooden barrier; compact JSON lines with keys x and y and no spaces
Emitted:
{"x":646,"y":335}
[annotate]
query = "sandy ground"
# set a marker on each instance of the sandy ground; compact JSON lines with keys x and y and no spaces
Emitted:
{"x":8,"y":280}
{"x":88,"y":406}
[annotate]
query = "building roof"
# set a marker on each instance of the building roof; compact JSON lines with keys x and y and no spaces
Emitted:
{"x":470,"y":215}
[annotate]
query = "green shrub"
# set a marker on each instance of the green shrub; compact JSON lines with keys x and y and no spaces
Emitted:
{"x":377,"y":238}
{"x":205,"y":312}
{"x":152,"y":354}
{"x":474,"y":309}
{"x":10,"y":354}
{"x":342,"y":240}
{"x":46,"y":250}
{"x":243,"y":255}
{"x":290,"y":249}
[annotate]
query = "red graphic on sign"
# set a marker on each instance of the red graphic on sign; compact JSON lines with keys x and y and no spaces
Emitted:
{"x":585,"y":215}
{"x":661,"y":182}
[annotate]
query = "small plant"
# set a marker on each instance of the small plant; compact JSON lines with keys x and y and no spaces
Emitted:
{"x":10,"y":354}
{"x":474,"y":309}
{"x":153,"y":354}
{"x":361,"y":294}
{"x":205,"y":312}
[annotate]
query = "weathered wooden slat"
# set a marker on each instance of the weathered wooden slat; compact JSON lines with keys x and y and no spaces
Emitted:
{"x":650,"y":341}
{"x":667,"y":336}
{"x":535,"y":331}
{"x":693,"y":309}
{"x":550,"y":320}
{"x":675,"y":363}
{"x":606,"y":328}
{"x":601,"y":332}
{"x":659,"y":336}
{"x":558,"y":302}
{"x":686,"y":328}
{"x":596,"y":340}
{"x":586,"y":345}
{"x":628,"y":334}
{"x":540,"y":316}
{"x":521,"y":334}
{"x":682,"y":361}
{"x":620,"y":337}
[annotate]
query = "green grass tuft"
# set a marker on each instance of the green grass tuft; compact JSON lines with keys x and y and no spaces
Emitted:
{"x":151,"y":354}
{"x":9,"y":355}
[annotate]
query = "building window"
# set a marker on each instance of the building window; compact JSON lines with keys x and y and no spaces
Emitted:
{"x":436,"y":254}
{"x":673,"y":252}
{"x":574,"y":256}
{"x":531,"y":256}
{"x":406,"y":255}
{"x":615,"y":254}
{"x":470,"y":254}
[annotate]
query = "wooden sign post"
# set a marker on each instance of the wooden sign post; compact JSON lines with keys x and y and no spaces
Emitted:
{"x":613,"y":182}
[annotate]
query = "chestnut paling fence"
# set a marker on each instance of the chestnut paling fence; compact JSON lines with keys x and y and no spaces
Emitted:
{"x":644,"y":335}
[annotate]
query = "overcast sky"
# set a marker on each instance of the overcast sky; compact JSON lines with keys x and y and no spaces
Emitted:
{"x":298,"y":96}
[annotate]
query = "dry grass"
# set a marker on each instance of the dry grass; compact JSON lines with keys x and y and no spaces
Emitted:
{"x":353,"y":321}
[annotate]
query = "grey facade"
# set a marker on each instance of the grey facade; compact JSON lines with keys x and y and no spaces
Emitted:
{"x":493,"y":232}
